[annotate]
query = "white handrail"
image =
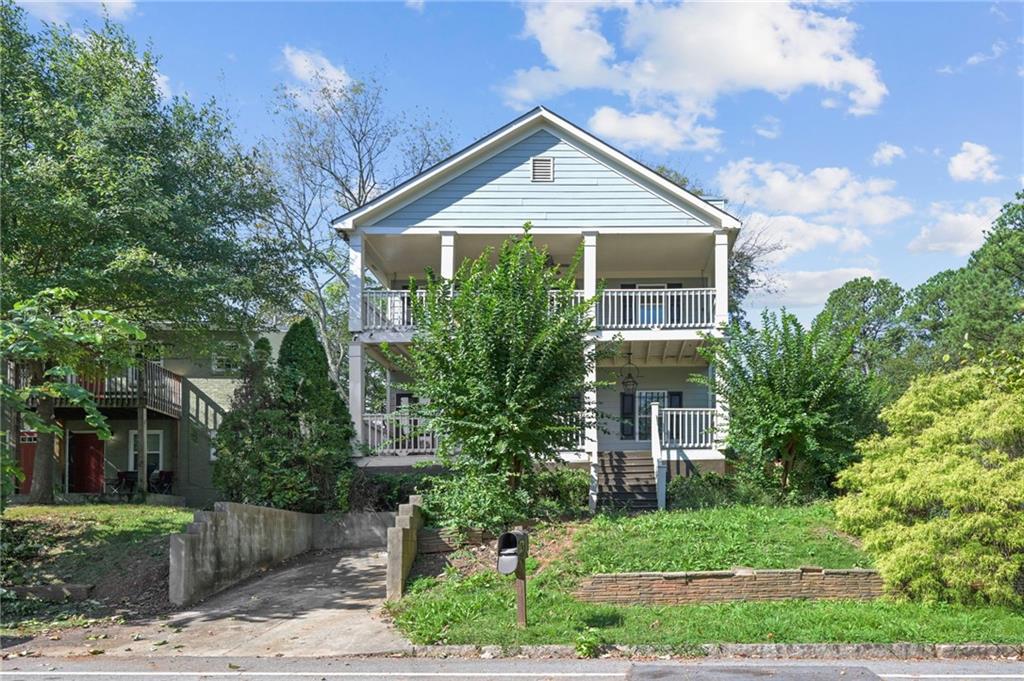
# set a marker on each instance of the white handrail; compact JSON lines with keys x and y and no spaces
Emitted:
{"x":660,"y":469}
{"x":688,"y":428}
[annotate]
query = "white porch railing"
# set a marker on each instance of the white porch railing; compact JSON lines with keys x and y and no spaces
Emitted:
{"x":672,"y":308}
{"x":398,"y":434}
{"x":687,"y":428}
{"x":618,"y":309}
{"x":388,"y":309}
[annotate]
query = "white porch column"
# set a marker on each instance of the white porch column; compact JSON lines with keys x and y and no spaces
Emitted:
{"x":721,"y":279}
{"x":356,"y":391}
{"x":590,"y":398}
{"x":447,"y":255}
{"x":356,"y":271}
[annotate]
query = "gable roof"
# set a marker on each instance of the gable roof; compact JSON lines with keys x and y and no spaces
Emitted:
{"x":536,"y":118}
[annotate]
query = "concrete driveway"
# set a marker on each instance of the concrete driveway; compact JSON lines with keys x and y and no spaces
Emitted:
{"x":325,"y":603}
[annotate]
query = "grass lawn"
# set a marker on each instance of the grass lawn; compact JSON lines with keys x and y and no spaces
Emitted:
{"x":120,"y":548}
{"x":475,"y":605}
{"x":716,"y":539}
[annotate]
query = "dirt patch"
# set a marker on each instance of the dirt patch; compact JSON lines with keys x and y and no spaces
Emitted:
{"x":825,"y":531}
{"x":547,"y":543}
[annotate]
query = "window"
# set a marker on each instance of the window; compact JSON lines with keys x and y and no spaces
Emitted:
{"x":543,"y":169}
{"x":28,"y":437}
{"x":154,"y":451}
{"x":225,"y":363}
{"x":213,"y":444}
{"x":644,"y":400}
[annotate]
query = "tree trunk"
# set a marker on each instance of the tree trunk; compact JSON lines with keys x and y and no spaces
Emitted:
{"x":42,"y":467}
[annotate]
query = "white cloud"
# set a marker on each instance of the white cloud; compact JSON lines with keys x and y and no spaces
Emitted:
{"x":886,"y":153}
{"x":63,"y":10}
{"x":416,"y":5}
{"x":974,"y":162}
{"x":677,"y":60}
{"x":770,"y":128}
{"x":806,"y":288}
{"x":163,"y":85}
{"x":834,"y":195}
{"x":652,"y":131}
{"x":997,"y":50}
{"x":309,"y":67}
{"x":957,"y":230}
{"x":797,"y":235}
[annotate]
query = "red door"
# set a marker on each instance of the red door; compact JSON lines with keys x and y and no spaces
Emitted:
{"x":85,"y":463}
{"x":27,"y":459}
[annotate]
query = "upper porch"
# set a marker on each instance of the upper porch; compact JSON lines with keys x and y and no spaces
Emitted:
{"x":668,"y":284}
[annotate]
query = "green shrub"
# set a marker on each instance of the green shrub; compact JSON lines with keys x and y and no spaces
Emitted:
{"x":939,"y":500}
{"x":385,"y":491}
{"x":286,"y":441}
{"x":700,"y":490}
{"x":475,"y":501}
{"x":559,"y":492}
{"x":796,"y":405}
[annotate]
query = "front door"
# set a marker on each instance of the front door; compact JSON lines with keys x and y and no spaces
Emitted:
{"x":644,"y":400}
{"x":27,"y":457}
{"x":85,"y":463}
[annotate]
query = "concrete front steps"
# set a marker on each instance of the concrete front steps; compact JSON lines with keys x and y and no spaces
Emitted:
{"x":625,"y":480}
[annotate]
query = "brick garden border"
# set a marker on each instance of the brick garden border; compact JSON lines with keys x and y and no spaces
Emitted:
{"x":680,"y":588}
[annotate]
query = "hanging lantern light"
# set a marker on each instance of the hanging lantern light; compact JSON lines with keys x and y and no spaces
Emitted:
{"x":629,"y":383}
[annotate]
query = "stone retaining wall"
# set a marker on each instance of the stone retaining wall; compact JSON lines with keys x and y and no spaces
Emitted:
{"x":674,"y":588}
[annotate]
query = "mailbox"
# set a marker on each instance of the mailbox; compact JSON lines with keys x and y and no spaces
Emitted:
{"x":512,"y":551}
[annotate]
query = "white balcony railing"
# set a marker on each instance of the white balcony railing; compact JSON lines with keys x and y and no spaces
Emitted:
{"x":673,"y":308}
{"x":388,"y":310}
{"x":398,"y":434}
{"x":618,"y":309}
{"x":687,"y":428}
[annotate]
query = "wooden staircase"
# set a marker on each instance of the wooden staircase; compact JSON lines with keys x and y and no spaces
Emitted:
{"x":625,"y":480}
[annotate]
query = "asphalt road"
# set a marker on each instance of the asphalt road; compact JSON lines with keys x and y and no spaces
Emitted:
{"x":416,"y":669}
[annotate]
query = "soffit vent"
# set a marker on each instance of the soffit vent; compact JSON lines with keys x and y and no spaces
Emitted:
{"x":543,"y":169}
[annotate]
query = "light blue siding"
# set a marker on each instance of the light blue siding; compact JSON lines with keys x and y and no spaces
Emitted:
{"x":498,"y":192}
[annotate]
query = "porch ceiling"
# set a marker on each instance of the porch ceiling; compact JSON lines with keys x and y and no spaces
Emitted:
{"x":653,"y":353}
{"x":624,"y":255}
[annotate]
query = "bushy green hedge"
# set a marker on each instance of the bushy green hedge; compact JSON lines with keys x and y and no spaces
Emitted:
{"x":939,"y":500}
{"x":479,"y":501}
{"x":286,"y":443}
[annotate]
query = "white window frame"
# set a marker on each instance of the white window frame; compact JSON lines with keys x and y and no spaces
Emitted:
{"x":132,"y":435}
{"x":639,"y":412}
{"x":220,"y":364}
{"x":212,"y":435}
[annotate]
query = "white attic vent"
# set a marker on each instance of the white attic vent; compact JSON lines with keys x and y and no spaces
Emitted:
{"x":543,"y":169}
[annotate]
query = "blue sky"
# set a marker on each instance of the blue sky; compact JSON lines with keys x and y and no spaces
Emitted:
{"x":875,"y":138}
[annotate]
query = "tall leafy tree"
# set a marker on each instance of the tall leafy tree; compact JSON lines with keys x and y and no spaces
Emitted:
{"x":143,"y":207}
{"x":981,"y":303}
{"x":874,"y":310}
{"x":796,"y":405}
{"x":500,"y":359}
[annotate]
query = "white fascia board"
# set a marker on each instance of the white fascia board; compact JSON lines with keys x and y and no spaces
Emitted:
{"x":385,"y":229}
{"x":507,"y":136}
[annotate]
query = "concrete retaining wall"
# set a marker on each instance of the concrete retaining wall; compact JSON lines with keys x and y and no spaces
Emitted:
{"x":672,"y":588}
{"x":402,"y":544}
{"x":234,"y":541}
{"x":352,"y":530}
{"x":226,"y":545}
